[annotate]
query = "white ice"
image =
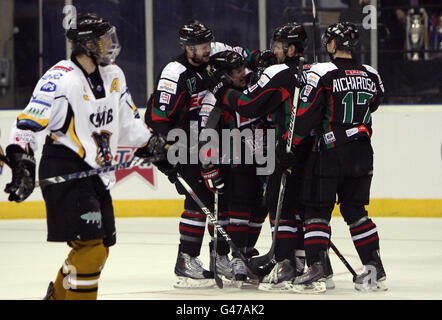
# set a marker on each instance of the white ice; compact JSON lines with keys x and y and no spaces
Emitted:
{"x":141,"y":264}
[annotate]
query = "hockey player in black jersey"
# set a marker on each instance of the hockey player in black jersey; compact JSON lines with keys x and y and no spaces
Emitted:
{"x":243,"y":192}
{"x":337,"y":103}
{"x":273,"y":94}
{"x":175,"y":103}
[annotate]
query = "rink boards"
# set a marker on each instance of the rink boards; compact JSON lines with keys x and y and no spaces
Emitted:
{"x":407,"y":180}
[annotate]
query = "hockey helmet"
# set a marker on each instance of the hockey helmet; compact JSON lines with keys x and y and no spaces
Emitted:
{"x":345,"y":34}
{"x":95,"y":36}
{"x":291,"y":33}
{"x":194,"y":33}
{"x":227,"y":61}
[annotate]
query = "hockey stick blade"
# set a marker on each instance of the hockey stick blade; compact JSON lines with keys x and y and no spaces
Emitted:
{"x":91,"y":172}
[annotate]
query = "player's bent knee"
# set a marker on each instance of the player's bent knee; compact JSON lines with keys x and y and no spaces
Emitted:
{"x":353,"y":213}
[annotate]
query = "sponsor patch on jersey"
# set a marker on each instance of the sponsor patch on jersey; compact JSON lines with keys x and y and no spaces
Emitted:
{"x":329,"y":137}
{"x":197,"y":99}
{"x":48,"y":87}
{"x":307,"y":90}
{"x":205,"y":110}
{"x":65,"y":69}
{"x":251,"y":88}
{"x":164,"y":98}
{"x":263,"y":80}
{"x":312,"y":79}
{"x":351,"y":132}
{"x":52,"y":75}
{"x":163,"y":108}
{"x":168,"y":86}
{"x":355,"y":73}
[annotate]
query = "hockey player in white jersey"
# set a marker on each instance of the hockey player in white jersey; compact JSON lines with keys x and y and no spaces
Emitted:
{"x":85,"y":108}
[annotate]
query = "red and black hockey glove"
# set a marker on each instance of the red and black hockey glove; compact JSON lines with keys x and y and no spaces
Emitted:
{"x":213,"y":178}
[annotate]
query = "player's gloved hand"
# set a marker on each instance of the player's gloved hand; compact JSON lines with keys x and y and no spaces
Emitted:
{"x":157,"y":145}
{"x":284,"y":160}
{"x":213,"y":178}
{"x":266,"y":59}
{"x":220,"y":83}
{"x":168,"y":169}
{"x":22,"y":163}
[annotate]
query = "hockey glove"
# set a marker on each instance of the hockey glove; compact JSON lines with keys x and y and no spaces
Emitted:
{"x":284,"y":160}
{"x":168,"y":169}
{"x":22,"y":164}
{"x":156,"y":145}
{"x":213,"y":178}
{"x":220,"y":83}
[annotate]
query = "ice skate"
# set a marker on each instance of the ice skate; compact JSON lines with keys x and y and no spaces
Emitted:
{"x":314,"y":279}
{"x":190,"y":273}
{"x":373,"y":277}
{"x":223,"y":268}
{"x":280,"y":278}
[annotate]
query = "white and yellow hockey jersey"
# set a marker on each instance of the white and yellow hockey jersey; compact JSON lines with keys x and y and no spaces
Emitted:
{"x":65,"y":105}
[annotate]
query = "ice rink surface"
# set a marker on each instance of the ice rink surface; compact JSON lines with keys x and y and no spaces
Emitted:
{"x":140,"y":266}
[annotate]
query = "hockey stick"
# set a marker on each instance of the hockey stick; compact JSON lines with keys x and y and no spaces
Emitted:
{"x":218,"y":280}
{"x":217,"y":227}
{"x":265,"y":259}
{"x":91,"y":172}
{"x":315,"y":57}
{"x":344,"y":261}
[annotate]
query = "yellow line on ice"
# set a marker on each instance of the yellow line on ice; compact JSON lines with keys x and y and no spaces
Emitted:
{"x":173,"y":208}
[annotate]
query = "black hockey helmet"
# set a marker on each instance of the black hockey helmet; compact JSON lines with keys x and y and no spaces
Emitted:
{"x":94,"y":36}
{"x":291,"y":33}
{"x":227,"y":61}
{"x":345,"y":34}
{"x":195,"y":32}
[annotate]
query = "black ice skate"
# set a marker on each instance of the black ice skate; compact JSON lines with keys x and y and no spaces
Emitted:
{"x":314,"y":279}
{"x":280,"y":278}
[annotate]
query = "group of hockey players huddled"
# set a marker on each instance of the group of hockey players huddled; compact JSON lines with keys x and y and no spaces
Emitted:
{"x":84,"y":106}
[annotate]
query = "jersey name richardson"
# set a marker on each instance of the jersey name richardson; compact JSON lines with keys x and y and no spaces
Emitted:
{"x":354,"y":83}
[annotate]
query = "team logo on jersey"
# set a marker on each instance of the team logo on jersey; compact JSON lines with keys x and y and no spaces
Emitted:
{"x":104,"y":155}
{"x":101,"y":118}
{"x":48,"y":87}
{"x":145,"y":171}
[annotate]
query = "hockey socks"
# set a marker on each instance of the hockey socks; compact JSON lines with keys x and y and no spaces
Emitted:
{"x":316,"y":238}
{"x":286,"y":239}
{"x":365,"y":238}
{"x":78,"y":277}
{"x":192,"y":227}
